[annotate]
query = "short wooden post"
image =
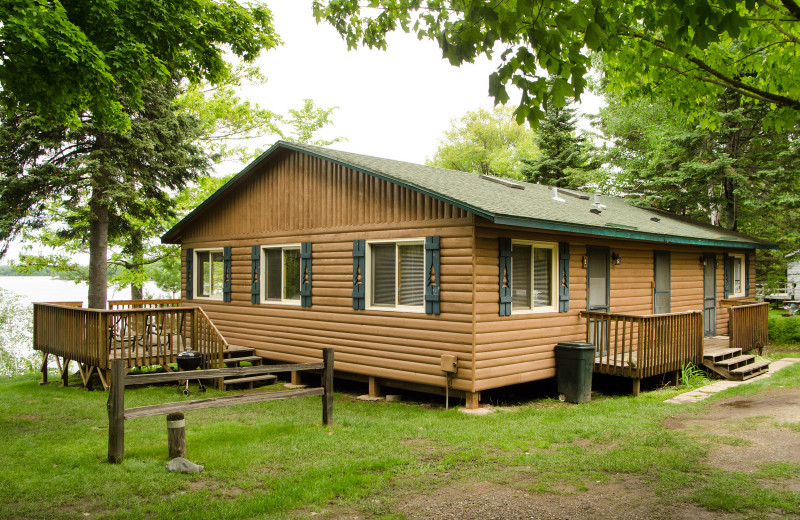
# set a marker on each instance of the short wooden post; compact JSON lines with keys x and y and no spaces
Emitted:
{"x":636,"y":387}
{"x":374,"y":387}
{"x":296,"y":379}
{"x":676,"y":378}
{"x":327,"y":385}
{"x":116,"y":412}
{"x":176,"y":435}
{"x":473,"y":400}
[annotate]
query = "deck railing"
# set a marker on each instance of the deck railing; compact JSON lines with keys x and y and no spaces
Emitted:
{"x":143,"y":304}
{"x":140,"y":336}
{"x":642,"y":346}
{"x":747,"y":326}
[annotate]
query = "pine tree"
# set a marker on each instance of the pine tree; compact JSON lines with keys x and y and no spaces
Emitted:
{"x":565,"y":159}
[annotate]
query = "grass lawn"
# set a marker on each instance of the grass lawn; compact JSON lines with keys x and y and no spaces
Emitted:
{"x":277,"y":460}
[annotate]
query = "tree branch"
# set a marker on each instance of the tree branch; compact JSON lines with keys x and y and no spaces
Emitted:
{"x":724,"y":80}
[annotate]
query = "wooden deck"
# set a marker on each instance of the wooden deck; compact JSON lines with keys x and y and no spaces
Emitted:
{"x":141,"y":333}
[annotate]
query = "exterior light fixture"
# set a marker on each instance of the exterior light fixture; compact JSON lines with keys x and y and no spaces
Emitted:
{"x":616,"y":258}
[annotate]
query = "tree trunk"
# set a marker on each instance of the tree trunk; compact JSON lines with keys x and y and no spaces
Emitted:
{"x":136,"y":292}
{"x":98,"y":250}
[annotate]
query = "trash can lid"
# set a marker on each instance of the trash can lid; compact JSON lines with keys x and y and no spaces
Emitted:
{"x":575,"y":345}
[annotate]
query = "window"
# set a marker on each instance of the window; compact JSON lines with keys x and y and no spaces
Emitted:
{"x":281,"y":274}
{"x":209,"y":274}
{"x":396,"y":275}
{"x":737,"y":276}
{"x":533,"y":280}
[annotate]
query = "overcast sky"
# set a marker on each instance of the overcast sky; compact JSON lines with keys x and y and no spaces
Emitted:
{"x":394,"y":104}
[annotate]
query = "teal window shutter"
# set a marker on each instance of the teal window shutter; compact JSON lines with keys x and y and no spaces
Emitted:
{"x":563,"y":276}
{"x":726,"y":281}
{"x":359,"y":249}
{"x":432,"y":284}
{"x":189,"y":273}
{"x":226,"y":274}
{"x":505,"y":276}
{"x":305,"y":276}
{"x":747,"y":274}
{"x":255,"y":275}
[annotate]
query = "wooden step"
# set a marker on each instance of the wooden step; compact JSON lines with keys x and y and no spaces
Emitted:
{"x":725,"y":353}
{"x":256,"y":360}
{"x":735,"y":362}
{"x":750,"y":370}
{"x":236,"y":351}
{"x":269,"y":378}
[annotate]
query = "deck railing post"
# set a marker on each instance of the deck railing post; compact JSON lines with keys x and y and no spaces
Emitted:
{"x":327,"y":385}
{"x":116,"y":412}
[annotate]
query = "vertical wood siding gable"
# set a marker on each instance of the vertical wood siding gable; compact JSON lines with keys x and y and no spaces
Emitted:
{"x":432,"y":283}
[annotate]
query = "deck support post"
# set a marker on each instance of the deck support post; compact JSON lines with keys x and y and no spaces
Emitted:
{"x":676,"y":378}
{"x":176,"y":435}
{"x":65,"y":372}
{"x":374,"y":387}
{"x":296,"y":379}
{"x":44,"y":368}
{"x":472,"y":400}
{"x":636,"y":386}
{"x":327,"y":385}
{"x":116,"y":412}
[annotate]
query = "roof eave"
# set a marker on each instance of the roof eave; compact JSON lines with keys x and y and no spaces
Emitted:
{"x":549,"y":225}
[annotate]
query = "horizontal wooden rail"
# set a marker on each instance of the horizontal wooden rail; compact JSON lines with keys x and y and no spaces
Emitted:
{"x":748,"y":326}
{"x":214,"y":402}
{"x":214,"y":373}
{"x":117,"y":414}
{"x":639,"y":346}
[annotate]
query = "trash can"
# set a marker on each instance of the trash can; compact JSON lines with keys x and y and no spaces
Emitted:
{"x":574,"y":363}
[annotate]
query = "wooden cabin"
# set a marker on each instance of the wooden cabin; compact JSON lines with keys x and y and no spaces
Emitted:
{"x":403,"y":268}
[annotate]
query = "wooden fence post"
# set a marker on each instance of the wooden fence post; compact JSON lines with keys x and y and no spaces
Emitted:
{"x":327,"y":385}
{"x":176,"y":435}
{"x":116,"y":412}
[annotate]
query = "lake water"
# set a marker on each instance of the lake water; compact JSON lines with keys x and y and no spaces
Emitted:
{"x":15,"y":332}
{"x":46,"y":289}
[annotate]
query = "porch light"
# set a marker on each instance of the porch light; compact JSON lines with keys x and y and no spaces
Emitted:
{"x":616,"y":258}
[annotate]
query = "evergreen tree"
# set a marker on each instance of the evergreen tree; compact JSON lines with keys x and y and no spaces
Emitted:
{"x":565,"y":159}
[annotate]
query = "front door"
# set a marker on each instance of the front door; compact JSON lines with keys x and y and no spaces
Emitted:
{"x":598,"y":292}
{"x":709,"y":294}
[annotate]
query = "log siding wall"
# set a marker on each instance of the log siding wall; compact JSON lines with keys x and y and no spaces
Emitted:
{"x":295,"y":198}
{"x":520,"y":348}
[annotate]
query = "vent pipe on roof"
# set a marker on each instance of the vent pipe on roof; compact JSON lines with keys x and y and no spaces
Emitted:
{"x":555,"y":195}
{"x":597,"y":204}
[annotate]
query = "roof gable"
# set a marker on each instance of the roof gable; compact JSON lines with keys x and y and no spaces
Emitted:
{"x":523,"y":205}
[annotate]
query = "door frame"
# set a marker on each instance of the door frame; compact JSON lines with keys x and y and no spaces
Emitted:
{"x":668,"y":291}
{"x":710,"y":331}
{"x":602,"y":345}
{"x":607,"y":251}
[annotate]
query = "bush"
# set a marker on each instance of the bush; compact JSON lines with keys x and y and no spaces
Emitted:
{"x":784,"y":330}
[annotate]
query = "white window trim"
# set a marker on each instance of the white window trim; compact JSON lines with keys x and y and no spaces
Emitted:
{"x":418,"y":309}
{"x":263,"y":274}
{"x":553,"y":246}
{"x":742,"y":277}
{"x":196,"y":278}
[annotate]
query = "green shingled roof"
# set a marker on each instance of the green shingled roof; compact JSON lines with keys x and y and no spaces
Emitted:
{"x":531,"y":207}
